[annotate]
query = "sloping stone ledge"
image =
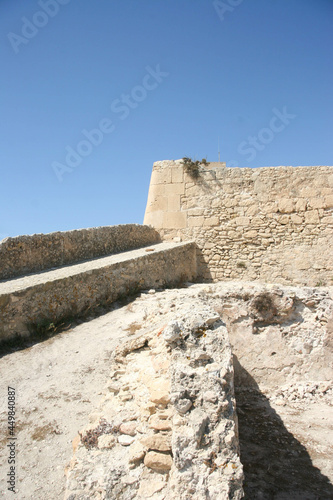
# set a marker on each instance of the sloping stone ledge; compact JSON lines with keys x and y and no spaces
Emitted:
{"x":53,"y":296}
{"x":29,"y":254}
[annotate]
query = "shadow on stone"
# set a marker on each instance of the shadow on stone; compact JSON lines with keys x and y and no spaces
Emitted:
{"x":276,"y":465}
{"x":203,"y":272}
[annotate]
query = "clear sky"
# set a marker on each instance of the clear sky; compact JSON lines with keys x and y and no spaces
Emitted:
{"x":93,"y":92}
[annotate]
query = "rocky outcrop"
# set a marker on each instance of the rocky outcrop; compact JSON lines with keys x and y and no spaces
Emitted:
{"x":167,"y":427}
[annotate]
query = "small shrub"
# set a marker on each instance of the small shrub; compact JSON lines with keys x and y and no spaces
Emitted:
{"x":193,"y":167}
{"x":241,"y":265}
{"x":264,"y":305}
{"x":90,"y":438}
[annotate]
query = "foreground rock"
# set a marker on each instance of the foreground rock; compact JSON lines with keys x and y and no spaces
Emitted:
{"x":170,"y":410}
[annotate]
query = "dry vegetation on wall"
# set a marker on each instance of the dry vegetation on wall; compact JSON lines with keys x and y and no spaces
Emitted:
{"x":193,"y":167}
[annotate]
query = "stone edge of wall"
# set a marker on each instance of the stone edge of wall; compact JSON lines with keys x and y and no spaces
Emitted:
{"x":26,"y":254}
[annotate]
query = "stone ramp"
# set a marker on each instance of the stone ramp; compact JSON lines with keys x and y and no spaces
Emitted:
{"x":38,"y":300}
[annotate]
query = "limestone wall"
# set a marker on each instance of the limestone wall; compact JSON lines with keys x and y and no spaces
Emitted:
{"x":272,"y":224}
{"x":44,"y":301}
{"x":27,"y":254}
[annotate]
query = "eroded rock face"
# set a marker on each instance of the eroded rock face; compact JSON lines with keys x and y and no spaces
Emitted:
{"x":172,"y":426}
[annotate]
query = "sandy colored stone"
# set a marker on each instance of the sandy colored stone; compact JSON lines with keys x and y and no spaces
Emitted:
{"x":177,"y":174}
{"x":286,"y":205}
{"x":128,"y":428}
{"x":195,"y":221}
{"x":149,"y":487}
{"x":296,"y":219}
{"x":311,"y":217}
{"x":125,"y":440}
{"x":174,"y":220}
{"x":160,"y":391}
{"x":242,"y":221}
{"x":159,"y":424}
{"x":136,"y":452}
{"x":76,"y":442}
{"x":106,"y":441}
{"x":211,"y":221}
{"x":158,"y":461}
{"x":160,"y":442}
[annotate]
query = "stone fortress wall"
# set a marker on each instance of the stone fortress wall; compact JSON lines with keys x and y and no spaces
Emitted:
{"x":273,"y":224}
{"x":28,"y":254}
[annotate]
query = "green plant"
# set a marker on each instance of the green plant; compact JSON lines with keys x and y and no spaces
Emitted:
{"x":241,"y":265}
{"x":193,"y":167}
{"x":320,"y":283}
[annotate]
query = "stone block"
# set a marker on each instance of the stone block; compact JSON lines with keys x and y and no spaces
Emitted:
{"x":174,"y":203}
{"x":212,"y":221}
{"x":195,"y":221}
{"x":177,"y":174}
{"x":301,"y":204}
{"x":286,"y":205}
{"x":327,"y":220}
{"x":161,"y":176}
{"x":328,"y":201}
{"x":154,"y":218}
{"x":174,"y":220}
{"x":309,"y":192}
{"x":251,"y":234}
{"x":242,"y":221}
{"x":311,"y":217}
{"x":284,"y":219}
{"x":157,"y":442}
{"x":173,"y":189}
{"x":252,"y":210}
{"x":158,"y":461}
{"x":296,"y":219}
{"x":160,"y":391}
{"x":316,"y":203}
{"x":158,"y":203}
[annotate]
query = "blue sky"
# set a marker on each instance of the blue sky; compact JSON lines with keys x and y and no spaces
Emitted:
{"x":93,"y":92}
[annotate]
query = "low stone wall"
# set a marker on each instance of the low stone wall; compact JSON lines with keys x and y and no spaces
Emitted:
{"x":42,"y":300}
{"x":29,"y":254}
{"x":274,"y":224}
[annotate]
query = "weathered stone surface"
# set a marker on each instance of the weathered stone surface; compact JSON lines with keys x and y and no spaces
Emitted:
{"x":27,"y":254}
{"x":128,"y":428}
{"x":51,"y":297}
{"x":158,"y":461}
{"x":136,"y":452}
{"x":148,"y":488}
{"x":159,"y":424}
{"x":160,"y":391}
{"x":280,"y":213}
{"x":106,"y":441}
{"x":159,"y":442}
{"x":192,"y":418}
{"x":125,"y":440}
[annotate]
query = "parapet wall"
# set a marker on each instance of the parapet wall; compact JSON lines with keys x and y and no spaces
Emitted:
{"x":28,"y":254}
{"x":42,"y":302}
{"x":274,"y":224}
